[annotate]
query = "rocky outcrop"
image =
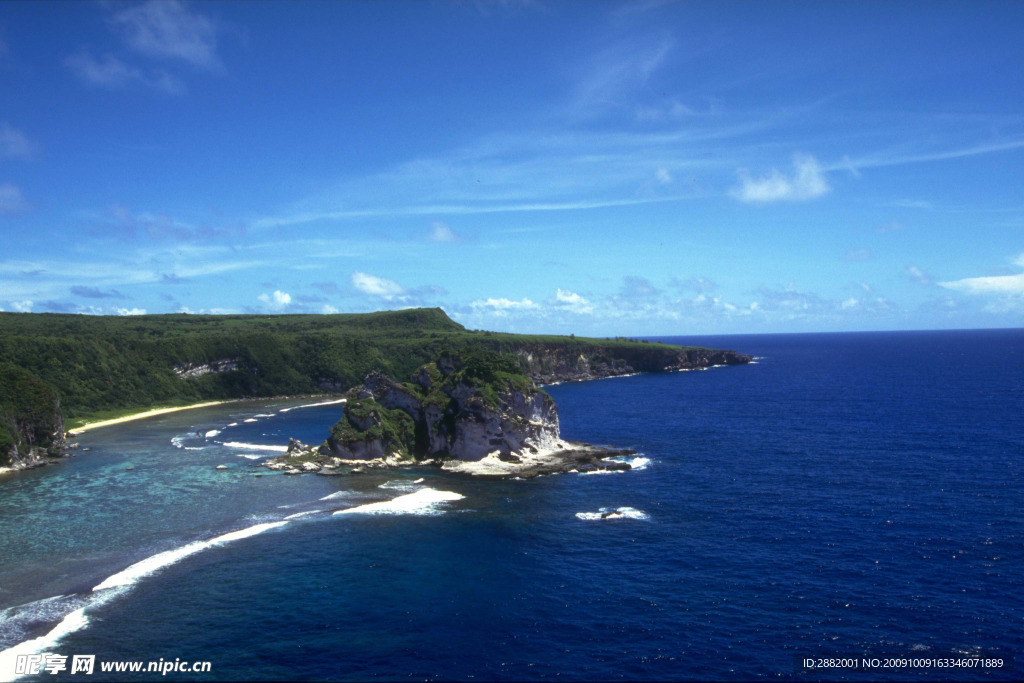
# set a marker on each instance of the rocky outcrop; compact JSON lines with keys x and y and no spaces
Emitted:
{"x":476,"y":415}
{"x":550,"y":363}
{"x":191,"y":370}
{"x":31,"y":421}
{"x":456,"y":408}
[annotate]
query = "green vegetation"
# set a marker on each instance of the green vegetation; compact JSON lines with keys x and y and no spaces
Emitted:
{"x":100,"y":364}
{"x":97,"y":367}
{"x":29,"y":412}
{"x":366,"y":420}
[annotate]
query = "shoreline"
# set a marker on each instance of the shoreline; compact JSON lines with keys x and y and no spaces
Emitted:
{"x":143,"y":415}
{"x":153,"y":412}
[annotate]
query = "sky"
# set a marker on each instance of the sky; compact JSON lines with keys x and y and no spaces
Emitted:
{"x":596,"y":168}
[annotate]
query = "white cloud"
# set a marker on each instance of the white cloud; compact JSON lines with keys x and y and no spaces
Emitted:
{"x":996,"y":284}
{"x":440,"y":232}
{"x":12,"y":200}
{"x":503,"y":304}
{"x":376,"y":286}
{"x":131,"y":311}
{"x":663,"y":175}
{"x":13,"y":143}
{"x":850,"y":303}
{"x":278,"y":299}
{"x":167,"y":29}
{"x":573,"y":302}
{"x":807,"y":181}
{"x":329,"y":310}
{"x":22,"y":306}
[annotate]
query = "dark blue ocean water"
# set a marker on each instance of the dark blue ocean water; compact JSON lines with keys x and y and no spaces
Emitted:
{"x":849,"y":495}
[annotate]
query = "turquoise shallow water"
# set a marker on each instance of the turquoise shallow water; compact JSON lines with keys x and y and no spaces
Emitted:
{"x":847,"y":495}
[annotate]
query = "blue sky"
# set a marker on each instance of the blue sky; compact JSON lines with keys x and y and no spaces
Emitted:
{"x":599,"y":168}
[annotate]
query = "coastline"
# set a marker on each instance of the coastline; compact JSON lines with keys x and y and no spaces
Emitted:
{"x":164,"y":411}
{"x":143,"y":415}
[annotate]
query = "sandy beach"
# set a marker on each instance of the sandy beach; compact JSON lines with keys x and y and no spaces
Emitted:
{"x":139,"y":416}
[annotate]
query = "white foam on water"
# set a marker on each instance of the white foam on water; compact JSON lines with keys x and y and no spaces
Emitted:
{"x":263,"y":415}
{"x":250,"y":456}
{"x":419,"y":481}
{"x":313,"y":405}
{"x":251,"y":419}
{"x":154,"y":563}
{"x":303,"y":514}
{"x":212,"y":433}
{"x":233,"y":424}
{"x":195,"y":448}
{"x":255,"y":446}
{"x":601,"y":472}
{"x":337,"y":494}
{"x":139,"y":570}
{"x":399,"y":485}
{"x":617,"y":513}
{"x":245,"y":533}
{"x":75,"y":621}
{"x":178,"y":441}
{"x":422,"y":502}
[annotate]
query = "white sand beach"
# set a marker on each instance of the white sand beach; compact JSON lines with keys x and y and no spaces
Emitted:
{"x":139,"y":416}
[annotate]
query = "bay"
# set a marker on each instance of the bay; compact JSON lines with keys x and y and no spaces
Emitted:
{"x":846,"y":495}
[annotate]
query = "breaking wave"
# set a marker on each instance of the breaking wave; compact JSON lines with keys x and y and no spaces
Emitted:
{"x":617,"y":513}
{"x":423,"y":502}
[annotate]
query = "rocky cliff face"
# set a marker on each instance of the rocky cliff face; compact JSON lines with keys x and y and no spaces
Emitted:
{"x":31,"y":423}
{"x":190,"y":370}
{"x":547,"y":364}
{"x":464,"y":409}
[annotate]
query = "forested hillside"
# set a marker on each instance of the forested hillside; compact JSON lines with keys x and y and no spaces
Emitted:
{"x":104,"y":363}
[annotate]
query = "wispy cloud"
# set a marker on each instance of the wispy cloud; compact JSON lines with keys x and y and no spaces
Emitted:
{"x":619,"y":70}
{"x":807,"y":181}
{"x":856,"y":255}
{"x":96,"y":293}
{"x":919,"y":275}
{"x":440,"y":232}
{"x":12,"y":200}
{"x":168,"y":29}
{"x":129,"y":225}
{"x":897,"y":159}
{"x":14,"y":144}
{"x":110,"y":73}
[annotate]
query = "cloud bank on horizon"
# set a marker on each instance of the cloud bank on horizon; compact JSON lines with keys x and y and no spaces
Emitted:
{"x":605,"y":168}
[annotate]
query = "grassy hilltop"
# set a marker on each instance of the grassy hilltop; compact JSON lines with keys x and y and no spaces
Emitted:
{"x":99,"y":365}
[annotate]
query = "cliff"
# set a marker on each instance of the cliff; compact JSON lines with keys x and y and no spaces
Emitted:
{"x":458,"y":407}
{"x":547,"y":363}
{"x":31,"y":423}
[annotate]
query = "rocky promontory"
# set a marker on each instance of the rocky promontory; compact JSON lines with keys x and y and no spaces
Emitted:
{"x":476,"y":413}
{"x":547,"y":363}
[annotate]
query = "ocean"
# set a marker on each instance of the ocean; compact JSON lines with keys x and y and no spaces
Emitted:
{"x":852,"y":500}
